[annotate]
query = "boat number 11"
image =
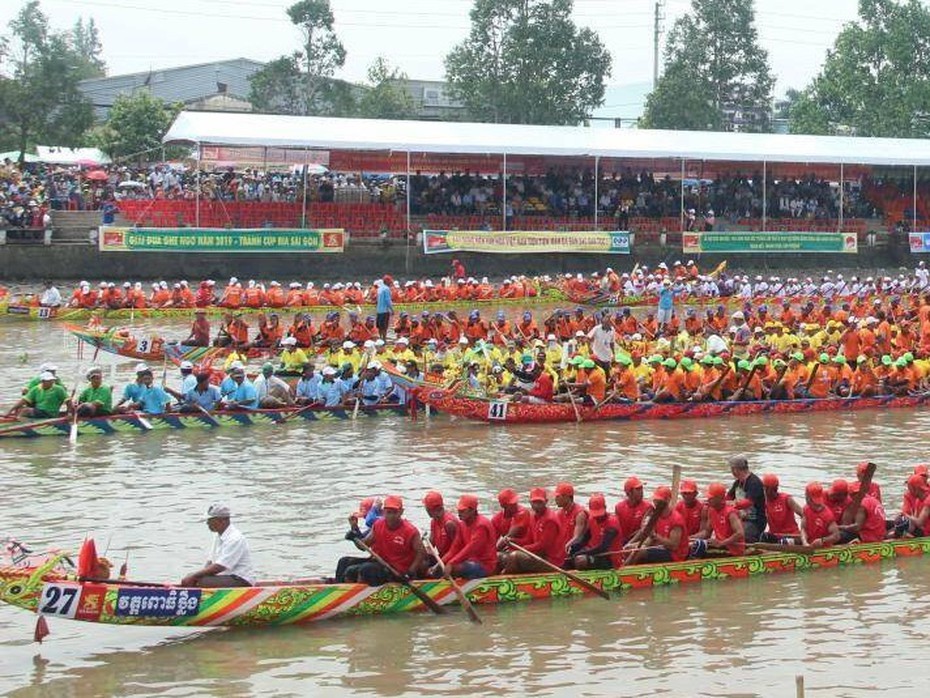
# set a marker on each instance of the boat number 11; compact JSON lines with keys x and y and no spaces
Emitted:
{"x":59,"y":600}
{"x":497,"y":410}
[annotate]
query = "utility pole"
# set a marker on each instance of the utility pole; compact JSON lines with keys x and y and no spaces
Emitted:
{"x":656,"y":37}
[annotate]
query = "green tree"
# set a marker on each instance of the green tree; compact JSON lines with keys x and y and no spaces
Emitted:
{"x":39,"y":97}
{"x":388,"y":97}
{"x":302,"y":83}
{"x":716,"y":75}
{"x":135,"y":126}
{"x":526,"y":62}
{"x":85,"y":39}
{"x":876,"y":78}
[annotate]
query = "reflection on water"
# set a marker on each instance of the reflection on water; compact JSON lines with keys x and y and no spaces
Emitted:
{"x":851,"y":632}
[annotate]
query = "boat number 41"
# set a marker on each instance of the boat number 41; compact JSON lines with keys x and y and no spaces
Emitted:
{"x":59,"y":600}
{"x":497,"y":410}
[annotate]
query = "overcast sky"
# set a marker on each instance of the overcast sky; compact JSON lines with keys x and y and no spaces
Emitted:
{"x":141,"y":34}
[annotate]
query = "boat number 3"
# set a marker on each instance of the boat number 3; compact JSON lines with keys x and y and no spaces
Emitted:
{"x":143,"y":346}
{"x":59,"y":600}
{"x":497,"y":410}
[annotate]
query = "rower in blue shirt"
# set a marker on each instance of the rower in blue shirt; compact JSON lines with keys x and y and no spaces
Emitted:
{"x":331,"y":390}
{"x":245,"y":397}
{"x":133,"y":391}
{"x":203,"y":394}
{"x":153,"y":398}
{"x":307,"y":390}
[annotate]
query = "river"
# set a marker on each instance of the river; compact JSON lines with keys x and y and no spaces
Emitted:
{"x":850,"y":632}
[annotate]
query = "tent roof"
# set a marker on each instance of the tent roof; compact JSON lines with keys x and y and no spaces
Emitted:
{"x":210,"y":128}
{"x":59,"y":155}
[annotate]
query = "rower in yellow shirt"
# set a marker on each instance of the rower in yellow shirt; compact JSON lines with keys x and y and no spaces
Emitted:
{"x":293,"y":358}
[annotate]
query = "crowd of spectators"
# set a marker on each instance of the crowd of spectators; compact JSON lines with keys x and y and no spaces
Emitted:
{"x":27,"y":194}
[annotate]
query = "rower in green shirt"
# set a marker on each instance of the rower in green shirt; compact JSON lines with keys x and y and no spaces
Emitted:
{"x":42,"y":401}
{"x":96,"y":399}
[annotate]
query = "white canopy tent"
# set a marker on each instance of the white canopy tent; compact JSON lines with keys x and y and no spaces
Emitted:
{"x":206,"y":128}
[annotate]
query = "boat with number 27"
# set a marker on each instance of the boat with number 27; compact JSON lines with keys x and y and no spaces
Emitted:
{"x":49,"y":589}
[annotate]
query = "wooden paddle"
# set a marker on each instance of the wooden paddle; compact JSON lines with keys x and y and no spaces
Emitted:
{"x":780,"y":548}
{"x":849,"y":515}
{"x":778,"y":380}
{"x":571,"y":397}
{"x":209,"y":416}
{"x":715,"y":385}
{"x":447,"y":575}
{"x":73,"y":433}
{"x":810,"y":378}
{"x":419,"y":593}
{"x":555,"y":568}
{"x":738,"y":394}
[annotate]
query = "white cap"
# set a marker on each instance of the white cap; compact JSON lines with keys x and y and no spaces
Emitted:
{"x":369,"y":343}
{"x":218,"y":510}
{"x":402,"y":340}
{"x":289,"y":341}
{"x":550,"y":338}
{"x":185,"y":365}
{"x":46,"y":376}
{"x":579,"y":333}
{"x":329,"y":371}
{"x":348,"y":345}
{"x":375,"y":364}
{"x":142,"y":368}
{"x":463,"y":340}
{"x":236,"y":366}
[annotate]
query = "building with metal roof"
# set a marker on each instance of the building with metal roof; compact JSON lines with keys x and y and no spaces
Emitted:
{"x":217,"y":86}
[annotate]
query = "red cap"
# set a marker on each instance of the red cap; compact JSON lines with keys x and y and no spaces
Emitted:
{"x":467,"y":501}
{"x":839,"y":487}
{"x":922,"y":469}
{"x":366,"y":506}
{"x":507,"y":496}
{"x":597,"y":506}
{"x":917,"y":481}
{"x":716,"y":489}
{"x":539,"y":494}
{"x":814,"y":492}
{"x":862,"y":467}
{"x":392,"y":501}
{"x":432,"y":500}
{"x":770,"y":480}
{"x":565,"y":489}
{"x":854,"y":486}
{"x":662,"y":493}
{"x":632,"y":483}
{"x":688,"y":486}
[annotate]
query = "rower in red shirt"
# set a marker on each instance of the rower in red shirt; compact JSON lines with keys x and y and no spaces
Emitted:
{"x":690,"y":507}
{"x":474,"y":553}
{"x":668,"y":541}
{"x":916,"y":522}
{"x":573,"y":520}
{"x":867,"y":521}
{"x":780,"y":511}
{"x":630,"y":511}
{"x":395,"y":540}
{"x":723,"y":529}
{"x":444,"y":527}
{"x":601,"y":552}
{"x":820,"y":528}
{"x":513,"y":522}
{"x":545,"y":527}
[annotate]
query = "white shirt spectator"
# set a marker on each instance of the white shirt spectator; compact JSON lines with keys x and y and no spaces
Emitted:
{"x":602,"y":343}
{"x":231,"y":550}
{"x":51,"y":297}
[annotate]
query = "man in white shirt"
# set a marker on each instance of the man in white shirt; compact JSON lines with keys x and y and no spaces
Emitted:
{"x":603,"y":342}
{"x":51,"y":297}
{"x":230,"y":563}
{"x":272,"y":391}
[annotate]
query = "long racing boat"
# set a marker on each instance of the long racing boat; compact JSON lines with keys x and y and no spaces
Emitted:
{"x":501,"y":411}
{"x":138,"y":422}
{"x":52,"y":589}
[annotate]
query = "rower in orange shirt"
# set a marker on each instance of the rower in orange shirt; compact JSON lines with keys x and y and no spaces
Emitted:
{"x":294,"y":298}
{"x":864,"y":381}
{"x":312,"y":295}
{"x":302,"y":330}
{"x":476,"y":328}
{"x":527,"y":327}
{"x":545,"y":532}
{"x":232,"y":295}
{"x":270,"y":331}
{"x":274,"y":298}
{"x":160,"y":295}
{"x":690,"y":507}
{"x":513,"y":522}
{"x":500,"y":330}
{"x":749,"y":384}
{"x":823,"y":381}
{"x":625,"y":385}
{"x":672,"y":385}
